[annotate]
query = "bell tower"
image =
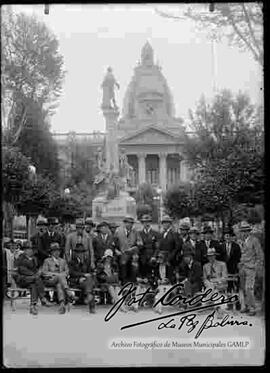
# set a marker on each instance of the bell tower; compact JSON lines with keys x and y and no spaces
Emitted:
{"x":147,"y":55}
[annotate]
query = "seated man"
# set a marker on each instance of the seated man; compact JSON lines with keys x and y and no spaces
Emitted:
{"x":81,"y":275}
{"x":55,"y":272}
{"x":215,"y":275}
{"x":190,"y":272}
{"x":28,"y":276}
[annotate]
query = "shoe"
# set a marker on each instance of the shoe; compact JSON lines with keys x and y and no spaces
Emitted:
{"x":33,"y":309}
{"x":62,"y":309}
{"x":252,"y":313}
{"x":45,"y":303}
{"x":92,"y":308}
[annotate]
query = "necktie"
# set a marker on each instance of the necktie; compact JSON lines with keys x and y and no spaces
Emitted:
{"x":212,"y":271}
{"x":228,"y":249}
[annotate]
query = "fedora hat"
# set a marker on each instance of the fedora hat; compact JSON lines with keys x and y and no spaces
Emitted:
{"x":54,"y":246}
{"x":245,"y":227}
{"x":53,"y":221}
{"x":166,"y":219}
{"x":42,"y":221}
{"x":79,"y":223}
{"x":228,"y":230}
{"x":102,"y":224}
{"x":146,"y":218}
{"x":211,"y":251}
{"x":185,"y":226}
{"x":107,"y":253}
{"x":89,"y":221}
{"x":128,"y":219}
{"x":208,"y":229}
{"x":194,"y":230}
{"x":113,"y":225}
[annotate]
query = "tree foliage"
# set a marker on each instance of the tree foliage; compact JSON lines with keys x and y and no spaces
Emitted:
{"x":227,"y":152}
{"x":240,"y":23}
{"x":179,"y":201}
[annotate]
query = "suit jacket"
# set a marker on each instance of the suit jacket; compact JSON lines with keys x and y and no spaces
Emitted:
{"x":124,"y":242}
{"x":132,"y":272}
{"x":50,"y":266}
{"x":172,"y":244}
{"x":41,"y":247}
{"x":219,"y":271}
{"x":149,"y":246}
{"x":78,"y":268}
{"x":99,"y":245}
{"x":193,"y":274}
{"x":26,"y":266}
{"x":72,"y":239}
{"x":233,"y":258}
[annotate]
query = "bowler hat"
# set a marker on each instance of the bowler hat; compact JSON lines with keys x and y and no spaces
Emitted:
{"x":89,"y":221}
{"x":113,"y":225}
{"x":79,"y":223}
{"x":185,"y":226}
{"x":211,"y":251}
{"x":244,"y":227}
{"x":128,"y":219}
{"x":53,"y":221}
{"x":228,"y":230}
{"x":194,"y":230}
{"x":166,"y":219}
{"x":54,"y":246}
{"x":208,"y":229}
{"x":79,"y":248}
{"x":146,"y":218}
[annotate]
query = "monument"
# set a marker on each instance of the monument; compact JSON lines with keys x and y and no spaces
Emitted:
{"x":113,"y":202}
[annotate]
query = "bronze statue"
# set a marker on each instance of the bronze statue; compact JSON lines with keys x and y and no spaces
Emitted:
{"x":108,"y":86}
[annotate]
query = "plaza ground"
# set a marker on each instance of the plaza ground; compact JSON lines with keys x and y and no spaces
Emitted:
{"x":80,"y":339}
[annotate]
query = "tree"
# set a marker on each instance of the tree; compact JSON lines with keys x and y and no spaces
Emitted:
{"x":179,"y":202}
{"x":227,"y":153}
{"x":32,"y":67}
{"x":145,"y":200}
{"x":240,"y":23}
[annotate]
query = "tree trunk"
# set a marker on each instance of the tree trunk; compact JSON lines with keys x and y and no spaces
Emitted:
{"x":27,"y":226}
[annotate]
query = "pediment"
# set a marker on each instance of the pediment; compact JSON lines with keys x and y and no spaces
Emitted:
{"x":150,"y":135}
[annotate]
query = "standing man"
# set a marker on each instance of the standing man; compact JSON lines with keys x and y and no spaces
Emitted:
{"x":80,"y":236}
{"x":195,"y":244}
{"x":170,"y":242}
{"x":184,"y":231}
{"x":89,"y":227}
{"x":251,"y":262}
{"x":102,"y":241}
{"x":53,"y":235}
{"x":40,"y":247}
{"x":81,"y":276}
{"x":209,"y":242}
{"x":149,"y":247}
{"x":126,"y":239}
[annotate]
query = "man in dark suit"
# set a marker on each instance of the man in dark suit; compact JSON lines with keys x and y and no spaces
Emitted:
{"x":149,"y":246}
{"x":170,"y":242}
{"x":40,"y":247}
{"x":102,"y":241}
{"x":231,"y":252}
{"x":184,"y":231}
{"x":53,"y":235}
{"x":28,"y":276}
{"x":190,"y":272}
{"x":195,"y":244}
{"x":209,"y":242}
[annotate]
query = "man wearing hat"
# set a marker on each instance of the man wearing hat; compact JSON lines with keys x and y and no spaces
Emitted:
{"x":54,"y":272}
{"x":40,"y":246}
{"x":190,"y":271}
{"x":80,"y":236}
{"x":28,"y":276}
{"x":170,"y":242}
{"x":126,"y":238}
{"x":251,"y":262}
{"x":113,"y":226}
{"x":215,"y":274}
{"x":81,"y":276}
{"x":52,"y":235}
{"x":209,"y":242}
{"x":184,"y":231}
{"x":102,"y":241}
{"x":149,"y":246}
{"x":89,"y":227}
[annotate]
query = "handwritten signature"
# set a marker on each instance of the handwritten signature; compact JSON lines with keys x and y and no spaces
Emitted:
{"x":202,"y":301}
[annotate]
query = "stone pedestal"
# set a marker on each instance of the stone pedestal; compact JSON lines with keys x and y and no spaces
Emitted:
{"x":113,"y":210}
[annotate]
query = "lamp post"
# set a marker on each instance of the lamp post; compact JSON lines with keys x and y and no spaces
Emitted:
{"x":159,"y":192}
{"x":33,"y":178}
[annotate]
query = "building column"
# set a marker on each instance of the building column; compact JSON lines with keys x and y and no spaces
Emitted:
{"x":163,"y":170}
{"x":183,"y":170}
{"x":141,"y":164}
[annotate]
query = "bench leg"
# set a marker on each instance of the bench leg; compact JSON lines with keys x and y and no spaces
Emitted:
{"x":13,"y":304}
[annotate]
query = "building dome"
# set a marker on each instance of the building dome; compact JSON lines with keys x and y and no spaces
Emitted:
{"x":148,"y":92}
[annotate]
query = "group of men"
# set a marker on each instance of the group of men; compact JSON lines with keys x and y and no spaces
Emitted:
{"x":112,"y":255}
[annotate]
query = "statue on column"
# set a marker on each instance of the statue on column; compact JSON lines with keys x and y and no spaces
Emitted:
{"x":102,"y":175}
{"x":108,"y":86}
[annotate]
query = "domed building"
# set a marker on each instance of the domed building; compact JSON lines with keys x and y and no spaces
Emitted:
{"x":147,"y":130}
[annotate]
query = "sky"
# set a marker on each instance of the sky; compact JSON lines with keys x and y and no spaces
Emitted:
{"x":93,"y":37}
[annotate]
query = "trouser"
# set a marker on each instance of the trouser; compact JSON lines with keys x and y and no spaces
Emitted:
{"x":85,"y":284}
{"x":123,"y":259}
{"x":59,"y":282}
{"x":221,"y":288}
{"x":247,"y":282}
{"x":190,"y":289}
{"x":161,"y":290}
{"x":35,"y":285}
{"x":233,"y":287}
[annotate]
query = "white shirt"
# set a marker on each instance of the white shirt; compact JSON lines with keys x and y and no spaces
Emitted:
{"x":162,"y":271}
{"x":166,"y":232}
